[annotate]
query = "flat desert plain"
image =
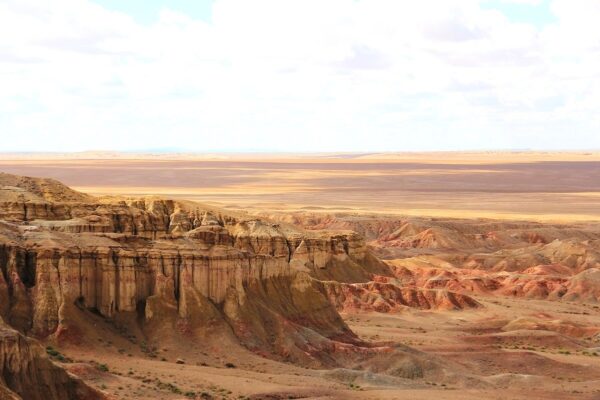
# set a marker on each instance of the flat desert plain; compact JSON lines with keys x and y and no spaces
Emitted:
{"x":520,"y":185}
{"x":492,"y":284}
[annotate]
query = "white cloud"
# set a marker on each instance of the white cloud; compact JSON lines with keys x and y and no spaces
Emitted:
{"x":297,"y":75}
{"x":528,"y":2}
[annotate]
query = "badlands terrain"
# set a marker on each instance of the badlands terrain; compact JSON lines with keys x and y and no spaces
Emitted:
{"x":380,"y":276}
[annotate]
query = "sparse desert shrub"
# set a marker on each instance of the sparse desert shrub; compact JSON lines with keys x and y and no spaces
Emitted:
{"x":51,"y":351}
{"x":56,"y":355}
{"x":102,"y":367}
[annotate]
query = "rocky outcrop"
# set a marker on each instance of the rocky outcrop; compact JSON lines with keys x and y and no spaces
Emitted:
{"x":45,"y":189}
{"x":181,"y":271}
{"x":42,"y":271}
{"x":27,"y":373}
{"x":165,"y":262}
{"x":473,"y":257}
{"x":388,"y":297}
{"x":543,"y":282}
{"x":473,"y":244}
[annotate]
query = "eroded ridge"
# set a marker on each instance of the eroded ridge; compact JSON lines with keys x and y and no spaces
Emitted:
{"x":181,"y":268}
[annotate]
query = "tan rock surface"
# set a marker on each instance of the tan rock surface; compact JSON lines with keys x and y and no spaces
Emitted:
{"x":160,"y":266}
{"x":28,"y":374}
{"x":296,"y":305}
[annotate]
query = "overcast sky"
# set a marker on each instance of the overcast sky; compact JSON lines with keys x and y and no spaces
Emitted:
{"x":283,"y":75}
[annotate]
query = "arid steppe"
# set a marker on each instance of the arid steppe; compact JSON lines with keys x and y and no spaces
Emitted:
{"x":539,"y":186}
{"x":379,"y":276}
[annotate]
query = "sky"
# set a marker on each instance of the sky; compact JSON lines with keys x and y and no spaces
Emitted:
{"x":299,"y":76}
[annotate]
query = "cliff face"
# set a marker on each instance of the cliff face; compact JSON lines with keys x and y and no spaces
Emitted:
{"x":175,"y":271}
{"x":28,"y":374}
{"x":160,"y":260}
{"x":42,"y":271}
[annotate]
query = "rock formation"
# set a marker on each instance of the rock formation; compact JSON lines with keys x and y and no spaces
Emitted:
{"x":389,"y":297}
{"x":476,"y":257}
{"x":175,"y":266}
{"x":27,"y":373}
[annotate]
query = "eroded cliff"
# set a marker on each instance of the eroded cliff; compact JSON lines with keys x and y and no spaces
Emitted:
{"x":179,"y":262}
{"x":27,"y":373}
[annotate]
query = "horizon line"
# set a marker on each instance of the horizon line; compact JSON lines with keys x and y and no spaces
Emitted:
{"x":209,"y":152}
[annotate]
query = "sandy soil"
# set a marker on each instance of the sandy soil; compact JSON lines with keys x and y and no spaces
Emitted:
{"x":525,"y":363}
{"x":529,"y":363}
{"x":538,"y":186}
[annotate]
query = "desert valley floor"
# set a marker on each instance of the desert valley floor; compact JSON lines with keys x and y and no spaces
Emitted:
{"x":377,"y":276}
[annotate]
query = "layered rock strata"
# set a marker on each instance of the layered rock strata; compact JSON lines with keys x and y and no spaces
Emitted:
{"x":27,"y":373}
{"x":160,"y":260}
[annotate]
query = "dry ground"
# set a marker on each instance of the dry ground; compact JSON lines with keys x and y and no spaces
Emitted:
{"x":525,"y":363}
{"x":541,"y":186}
